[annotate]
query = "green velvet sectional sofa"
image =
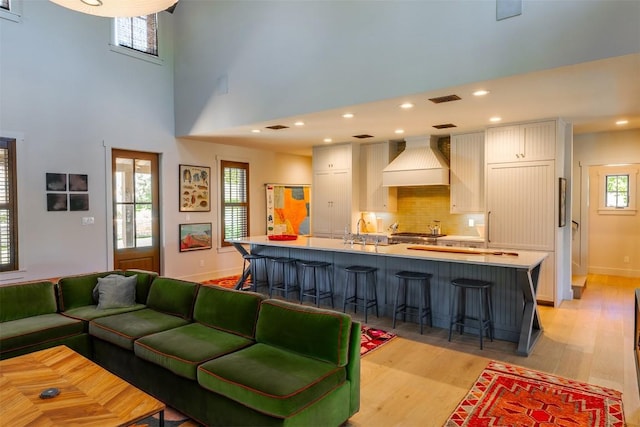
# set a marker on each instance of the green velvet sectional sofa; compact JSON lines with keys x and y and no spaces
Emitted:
{"x":221,"y":356}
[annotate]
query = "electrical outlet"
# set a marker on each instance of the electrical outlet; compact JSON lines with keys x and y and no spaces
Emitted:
{"x":201,"y":263}
{"x":472,"y":223}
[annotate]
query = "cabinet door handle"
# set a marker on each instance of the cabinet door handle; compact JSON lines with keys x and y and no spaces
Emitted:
{"x":488,"y":226}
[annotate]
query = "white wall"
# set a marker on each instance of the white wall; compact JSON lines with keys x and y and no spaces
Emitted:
{"x":69,"y":99}
{"x":282,"y":58}
{"x":592,"y":150}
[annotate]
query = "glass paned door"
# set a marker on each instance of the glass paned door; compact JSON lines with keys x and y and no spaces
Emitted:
{"x":135,"y":210}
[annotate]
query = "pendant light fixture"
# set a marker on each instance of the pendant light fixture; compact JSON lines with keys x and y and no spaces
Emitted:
{"x":117,"y":8}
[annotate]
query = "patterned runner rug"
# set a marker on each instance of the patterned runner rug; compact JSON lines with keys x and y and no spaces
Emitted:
{"x":507,"y":395}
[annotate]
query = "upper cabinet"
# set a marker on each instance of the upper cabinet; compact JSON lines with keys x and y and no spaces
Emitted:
{"x":333,"y":189}
{"x":332,"y":157}
{"x":521,"y":143}
{"x":373,"y":159}
{"x":467,"y":173}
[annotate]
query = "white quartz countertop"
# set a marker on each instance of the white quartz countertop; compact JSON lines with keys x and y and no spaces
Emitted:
{"x":475,"y":239}
{"x":524,"y":259}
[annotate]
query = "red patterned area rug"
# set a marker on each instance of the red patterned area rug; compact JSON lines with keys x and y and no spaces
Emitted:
{"x":507,"y":395}
{"x":372,"y":338}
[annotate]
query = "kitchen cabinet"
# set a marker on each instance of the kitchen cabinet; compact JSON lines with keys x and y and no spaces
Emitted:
{"x":332,"y":157}
{"x":523,"y":163}
{"x":332,"y":205}
{"x":373,"y":159}
{"x":467,"y":173}
{"x":521,"y":143}
{"x":520,"y":205}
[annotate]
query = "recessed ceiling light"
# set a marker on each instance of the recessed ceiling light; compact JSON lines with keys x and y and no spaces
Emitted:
{"x":481,"y":92}
{"x":299,"y":123}
{"x":406,"y":105}
{"x":622,"y":122}
{"x":495,"y":119}
{"x":327,"y":140}
{"x":255,"y":130}
{"x":348,"y":115}
{"x":399,"y":131}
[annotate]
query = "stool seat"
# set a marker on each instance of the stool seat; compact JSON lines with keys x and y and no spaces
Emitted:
{"x":423,"y":309}
{"x":250,"y":268}
{"x":284,"y":276}
{"x":459,"y":317}
{"x":310,"y":286}
{"x":368,"y":298}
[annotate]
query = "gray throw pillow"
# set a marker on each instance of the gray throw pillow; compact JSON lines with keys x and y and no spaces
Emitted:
{"x":115,"y":291}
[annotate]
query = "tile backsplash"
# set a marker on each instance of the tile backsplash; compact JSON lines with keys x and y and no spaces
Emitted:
{"x":418,"y":207}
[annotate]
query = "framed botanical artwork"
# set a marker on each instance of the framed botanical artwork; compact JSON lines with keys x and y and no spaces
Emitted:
{"x":194,"y":237}
{"x":195,"y":195}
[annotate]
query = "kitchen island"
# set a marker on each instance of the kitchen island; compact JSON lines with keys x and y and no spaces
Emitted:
{"x":514,"y":277}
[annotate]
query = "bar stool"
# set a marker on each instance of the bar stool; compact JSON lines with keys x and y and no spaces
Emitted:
{"x":254,"y":266}
{"x":284,"y":276}
{"x":311,"y":286}
{"x":369,"y":298}
{"x":423,"y":310}
{"x":458,"y":307}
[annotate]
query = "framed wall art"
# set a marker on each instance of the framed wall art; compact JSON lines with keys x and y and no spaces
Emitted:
{"x":562,"y":207}
{"x":194,"y":188}
{"x":194,"y":237}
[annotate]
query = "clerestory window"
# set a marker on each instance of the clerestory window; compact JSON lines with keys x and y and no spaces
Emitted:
{"x":139,"y":33}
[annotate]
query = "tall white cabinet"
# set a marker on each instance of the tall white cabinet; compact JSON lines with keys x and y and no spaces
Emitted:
{"x":523,"y":164}
{"x":373,"y":159}
{"x":467,"y":173}
{"x":334,"y":186}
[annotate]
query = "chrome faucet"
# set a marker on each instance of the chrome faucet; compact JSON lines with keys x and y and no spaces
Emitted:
{"x":358,"y":226}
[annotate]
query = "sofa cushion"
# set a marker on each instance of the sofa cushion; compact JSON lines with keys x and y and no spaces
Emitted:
{"x":26,"y":300}
{"x":115,"y":291}
{"x":270,"y":380}
{"x":227,"y":309}
{"x":182,"y":349}
{"x":90,"y":312}
{"x":77,"y":291}
{"x":123,"y":329}
{"x":20,"y":333}
{"x":310,"y":331}
{"x":173,"y":296}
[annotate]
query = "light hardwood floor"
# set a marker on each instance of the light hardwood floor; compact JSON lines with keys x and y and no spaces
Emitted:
{"x":419,"y":380}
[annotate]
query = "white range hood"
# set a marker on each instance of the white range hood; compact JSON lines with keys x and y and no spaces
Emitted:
{"x":421,"y":163}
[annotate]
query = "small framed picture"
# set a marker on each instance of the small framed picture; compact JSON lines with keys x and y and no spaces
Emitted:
{"x":78,"y":202}
{"x":78,"y":182}
{"x":194,"y":237}
{"x":194,"y":188}
{"x":56,"y":202}
{"x":56,"y":181}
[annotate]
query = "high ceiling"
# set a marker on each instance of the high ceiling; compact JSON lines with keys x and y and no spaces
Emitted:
{"x":592,"y":96}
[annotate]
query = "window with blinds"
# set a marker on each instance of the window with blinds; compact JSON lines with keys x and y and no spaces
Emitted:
{"x":138,"y":33}
{"x":235,"y":200}
{"x":8,"y":206}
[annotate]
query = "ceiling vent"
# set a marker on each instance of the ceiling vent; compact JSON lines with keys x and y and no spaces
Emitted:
{"x":278,"y":127}
{"x":445,"y":126}
{"x":363,"y":136}
{"x":447,"y":98}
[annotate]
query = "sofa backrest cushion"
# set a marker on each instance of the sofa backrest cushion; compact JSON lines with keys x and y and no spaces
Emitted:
{"x":173,"y":296}
{"x":26,"y":300}
{"x":77,"y":291}
{"x":313,"y":332}
{"x":227,"y":309}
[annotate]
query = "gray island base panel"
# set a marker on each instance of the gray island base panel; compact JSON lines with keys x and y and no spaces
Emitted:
{"x":514,"y":278}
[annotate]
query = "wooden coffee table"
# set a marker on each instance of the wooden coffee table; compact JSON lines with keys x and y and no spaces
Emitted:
{"x":89,"y":395}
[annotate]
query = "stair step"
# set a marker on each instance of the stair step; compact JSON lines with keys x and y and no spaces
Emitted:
{"x":578,"y":284}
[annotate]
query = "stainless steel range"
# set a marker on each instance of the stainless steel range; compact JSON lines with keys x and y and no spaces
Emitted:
{"x":418,"y":238}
